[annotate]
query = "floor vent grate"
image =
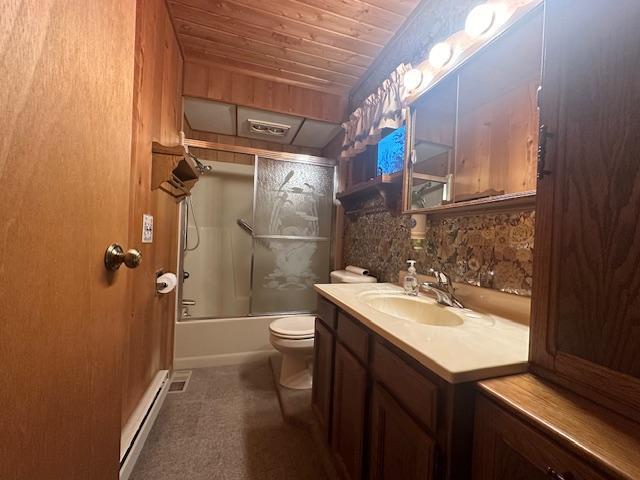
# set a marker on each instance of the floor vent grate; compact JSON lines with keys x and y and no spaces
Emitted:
{"x":179,"y":381}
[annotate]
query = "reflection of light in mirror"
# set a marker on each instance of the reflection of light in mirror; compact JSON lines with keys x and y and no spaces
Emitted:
{"x":440,"y":54}
{"x":412,"y":79}
{"x":480,"y":20}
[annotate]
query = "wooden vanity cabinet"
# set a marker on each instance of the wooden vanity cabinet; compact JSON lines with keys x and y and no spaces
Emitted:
{"x":388,"y":416}
{"x":349,"y":413}
{"x":322,"y":391}
{"x":585,"y":328}
{"x":399,"y":447}
{"x":508,"y":448}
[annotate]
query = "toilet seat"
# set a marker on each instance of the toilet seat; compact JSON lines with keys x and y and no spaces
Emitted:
{"x":298,"y":327}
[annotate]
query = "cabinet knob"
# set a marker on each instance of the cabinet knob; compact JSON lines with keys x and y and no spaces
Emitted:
{"x":551,"y":473}
{"x":116,"y":256}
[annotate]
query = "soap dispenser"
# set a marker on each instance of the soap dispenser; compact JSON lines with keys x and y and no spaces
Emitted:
{"x":411,"y":279}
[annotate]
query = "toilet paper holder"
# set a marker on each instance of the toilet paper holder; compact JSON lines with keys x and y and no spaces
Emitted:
{"x":161,"y":285}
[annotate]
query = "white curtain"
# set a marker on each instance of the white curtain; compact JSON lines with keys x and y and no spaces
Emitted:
{"x":382,"y":109}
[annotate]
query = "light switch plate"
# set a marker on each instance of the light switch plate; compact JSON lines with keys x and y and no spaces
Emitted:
{"x":147,"y":228}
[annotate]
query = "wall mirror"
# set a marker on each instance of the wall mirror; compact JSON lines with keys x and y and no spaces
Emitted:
{"x":474,"y":132}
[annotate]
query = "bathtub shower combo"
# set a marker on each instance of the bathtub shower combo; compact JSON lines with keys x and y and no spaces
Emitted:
{"x":256,"y":236}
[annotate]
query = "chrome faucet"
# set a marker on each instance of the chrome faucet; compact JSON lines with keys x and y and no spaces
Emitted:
{"x":443,"y":289}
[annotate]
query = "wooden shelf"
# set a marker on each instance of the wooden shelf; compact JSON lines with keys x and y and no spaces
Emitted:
{"x":494,"y":204}
{"x":173,"y":170}
{"x":389,"y":187}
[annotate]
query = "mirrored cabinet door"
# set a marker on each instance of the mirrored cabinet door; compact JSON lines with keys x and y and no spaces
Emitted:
{"x":433,"y":131}
{"x":474,"y":133}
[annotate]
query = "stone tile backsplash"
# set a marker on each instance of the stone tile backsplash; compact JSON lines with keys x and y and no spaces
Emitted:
{"x":488,"y":250}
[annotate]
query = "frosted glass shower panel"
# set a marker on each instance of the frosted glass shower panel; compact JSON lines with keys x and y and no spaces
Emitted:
{"x":292,"y":234}
{"x":293,"y":199}
{"x":284,"y":272}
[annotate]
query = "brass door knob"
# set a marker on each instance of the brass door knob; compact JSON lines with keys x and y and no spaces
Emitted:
{"x":116,"y":256}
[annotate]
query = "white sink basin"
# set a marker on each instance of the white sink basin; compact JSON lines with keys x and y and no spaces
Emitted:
{"x":414,"y":309}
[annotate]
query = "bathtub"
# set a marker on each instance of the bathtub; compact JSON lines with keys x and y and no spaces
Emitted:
{"x":221,"y":341}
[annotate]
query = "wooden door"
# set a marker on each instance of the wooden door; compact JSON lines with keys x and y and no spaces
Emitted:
{"x":323,"y":343}
{"x":348,"y":417}
{"x":586,"y":290}
{"x":399,"y":447}
{"x":66,"y":79}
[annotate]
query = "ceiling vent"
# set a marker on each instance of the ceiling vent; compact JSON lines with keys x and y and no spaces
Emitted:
{"x":268,"y":128}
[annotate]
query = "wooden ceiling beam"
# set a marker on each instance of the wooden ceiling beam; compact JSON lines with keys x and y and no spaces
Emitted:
{"x":185,"y":27}
{"x":277,"y":23}
{"x":208,"y":47}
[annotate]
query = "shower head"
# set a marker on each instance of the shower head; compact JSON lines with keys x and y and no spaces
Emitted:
{"x":201,"y":167}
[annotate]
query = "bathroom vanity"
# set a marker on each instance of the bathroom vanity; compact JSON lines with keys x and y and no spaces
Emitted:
{"x":394,"y":378}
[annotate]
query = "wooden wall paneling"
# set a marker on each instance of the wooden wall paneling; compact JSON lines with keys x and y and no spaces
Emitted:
{"x":326,"y":46}
{"x":190,"y":20}
{"x":67,"y":82}
{"x":337,"y":22}
{"x":157,"y":116}
{"x":212,"y":82}
{"x":497,"y":143}
{"x":214,"y":37}
{"x":367,"y":13}
{"x":335,"y":31}
{"x":261,"y":66}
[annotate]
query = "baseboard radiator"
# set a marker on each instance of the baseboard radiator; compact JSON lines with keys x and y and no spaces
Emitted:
{"x":137,"y":428}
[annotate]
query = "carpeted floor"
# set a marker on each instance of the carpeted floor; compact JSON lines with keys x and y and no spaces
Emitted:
{"x":228,"y":425}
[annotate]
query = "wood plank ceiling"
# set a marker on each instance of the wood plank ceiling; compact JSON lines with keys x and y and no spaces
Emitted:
{"x":326,"y":45}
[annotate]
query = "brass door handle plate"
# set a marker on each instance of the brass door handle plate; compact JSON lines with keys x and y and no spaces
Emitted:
{"x":116,"y":256}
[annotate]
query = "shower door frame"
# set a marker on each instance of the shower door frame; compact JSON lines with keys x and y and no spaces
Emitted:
{"x":256,"y":153}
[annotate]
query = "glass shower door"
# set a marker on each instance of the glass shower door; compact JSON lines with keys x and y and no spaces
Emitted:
{"x":293,"y":211}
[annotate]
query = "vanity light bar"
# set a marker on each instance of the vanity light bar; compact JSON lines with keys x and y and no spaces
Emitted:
{"x":482,"y":22}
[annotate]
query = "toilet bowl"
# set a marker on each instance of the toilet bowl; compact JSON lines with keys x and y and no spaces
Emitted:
{"x":293,"y":338}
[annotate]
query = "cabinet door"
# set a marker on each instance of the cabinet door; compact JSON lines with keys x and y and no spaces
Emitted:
{"x":399,"y":447}
{"x":322,"y":377}
{"x":506,"y":448}
{"x":349,"y":407}
{"x":586,"y":291}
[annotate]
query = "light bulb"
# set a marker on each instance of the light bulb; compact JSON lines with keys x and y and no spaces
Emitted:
{"x":412,"y":79}
{"x":440,"y":54}
{"x":480,"y":19}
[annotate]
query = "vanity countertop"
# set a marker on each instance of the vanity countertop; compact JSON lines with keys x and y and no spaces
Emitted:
{"x":476,"y":350}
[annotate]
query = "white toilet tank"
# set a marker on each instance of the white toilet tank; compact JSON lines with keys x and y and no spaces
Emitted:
{"x":342,"y":276}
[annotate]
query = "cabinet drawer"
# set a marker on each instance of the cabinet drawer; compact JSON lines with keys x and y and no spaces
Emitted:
{"x":507,"y":447}
{"x":353,"y":336}
{"x":418,"y":395}
{"x":327,"y":312}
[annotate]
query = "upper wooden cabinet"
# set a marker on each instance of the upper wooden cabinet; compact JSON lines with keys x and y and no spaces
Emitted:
{"x":586,"y":291}
{"x":474,"y":134}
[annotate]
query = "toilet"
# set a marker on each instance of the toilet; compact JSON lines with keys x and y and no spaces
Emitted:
{"x":293,"y":337}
